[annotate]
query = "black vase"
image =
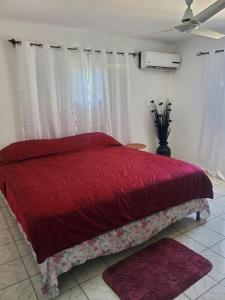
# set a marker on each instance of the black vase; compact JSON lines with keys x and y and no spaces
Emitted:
{"x":164,"y":150}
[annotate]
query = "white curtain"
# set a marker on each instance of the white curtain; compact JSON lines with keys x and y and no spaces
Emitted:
{"x":212,"y":150}
{"x":65,"y":92}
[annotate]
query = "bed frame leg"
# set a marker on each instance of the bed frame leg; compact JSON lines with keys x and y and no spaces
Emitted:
{"x":198,"y":216}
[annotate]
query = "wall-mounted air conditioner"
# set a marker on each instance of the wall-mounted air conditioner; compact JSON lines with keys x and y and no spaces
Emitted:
{"x":159,"y":60}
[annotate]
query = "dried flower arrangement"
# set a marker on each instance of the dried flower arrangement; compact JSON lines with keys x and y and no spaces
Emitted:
{"x":161,"y":115}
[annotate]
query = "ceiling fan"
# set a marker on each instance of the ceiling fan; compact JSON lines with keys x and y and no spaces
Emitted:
{"x":193,"y":24}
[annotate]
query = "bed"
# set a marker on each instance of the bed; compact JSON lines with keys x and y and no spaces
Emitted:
{"x":92,"y":196}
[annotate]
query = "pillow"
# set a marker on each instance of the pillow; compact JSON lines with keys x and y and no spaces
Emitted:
{"x":37,"y":148}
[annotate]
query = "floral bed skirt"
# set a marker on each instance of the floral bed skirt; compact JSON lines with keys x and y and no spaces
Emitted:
{"x":111,"y":242}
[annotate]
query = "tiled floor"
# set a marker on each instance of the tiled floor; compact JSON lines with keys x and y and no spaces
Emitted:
{"x":20,"y":278}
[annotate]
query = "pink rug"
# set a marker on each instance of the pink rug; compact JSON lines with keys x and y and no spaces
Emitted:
{"x":161,"y":271}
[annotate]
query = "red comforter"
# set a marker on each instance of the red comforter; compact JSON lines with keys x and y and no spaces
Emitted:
{"x":67,"y":191}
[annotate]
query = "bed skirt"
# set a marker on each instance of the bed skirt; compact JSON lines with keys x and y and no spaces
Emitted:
{"x":111,"y":242}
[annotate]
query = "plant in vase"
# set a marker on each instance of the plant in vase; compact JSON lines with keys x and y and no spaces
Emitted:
{"x":161,"y":116}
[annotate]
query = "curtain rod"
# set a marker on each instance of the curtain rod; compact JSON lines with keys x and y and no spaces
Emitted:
{"x":205,"y":53}
{"x":14,"y":43}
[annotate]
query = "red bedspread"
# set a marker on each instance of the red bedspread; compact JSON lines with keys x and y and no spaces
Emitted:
{"x":64,"y":199}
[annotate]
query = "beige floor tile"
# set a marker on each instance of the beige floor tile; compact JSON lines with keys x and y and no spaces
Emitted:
{"x":19,"y":291}
{"x":215,"y":195}
{"x":143,"y":245}
{"x":66,"y":282}
{"x":204,"y":236}
{"x":114,"y":258}
{"x":216,"y":181}
{"x":11,"y":222}
{"x":219,"y":248}
{"x":200,"y":287}
{"x":6,"y":212}
{"x":223,"y":182}
{"x":37,"y":284}
{"x":3,"y":224}
{"x":23,"y":247}
{"x":74,"y":294}
{"x":217,"y":209}
{"x":222,"y":216}
{"x":182,"y":297}
{"x":89,"y":270}
{"x":209,"y":219}
{"x":17,"y":235}
{"x":222,"y":282}
{"x":217,"y":224}
{"x":168,"y":232}
{"x":8,"y":252}
{"x":5,"y":237}
{"x":2,"y":202}
{"x":220,"y":200}
{"x":188,"y":242}
{"x":216,"y":293}
{"x":219,"y":189}
{"x":97,"y":289}
{"x":11,"y":273}
{"x":218,"y":262}
{"x":188,"y":223}
{"x":31,"y":265}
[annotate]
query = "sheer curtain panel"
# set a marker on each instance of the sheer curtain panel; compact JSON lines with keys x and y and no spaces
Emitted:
{"x":212,"y":149}
{"x":65,"y":92}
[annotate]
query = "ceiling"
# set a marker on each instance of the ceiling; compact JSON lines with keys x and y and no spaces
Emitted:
{"x":123,"y":17}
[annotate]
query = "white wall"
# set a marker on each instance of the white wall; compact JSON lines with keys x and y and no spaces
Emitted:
{"x":146,"y":85}
{"x":188,"y":97}
{"x":184,"y":86}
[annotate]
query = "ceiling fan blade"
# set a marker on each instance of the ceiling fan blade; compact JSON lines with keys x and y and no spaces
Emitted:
{"x":202,"y":31}
{"x":210,"y":11}
{"x":156,"y":31}
{"x":186,"y":27}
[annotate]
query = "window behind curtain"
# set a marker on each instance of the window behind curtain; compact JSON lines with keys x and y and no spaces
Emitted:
{"x":68,"y":92}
